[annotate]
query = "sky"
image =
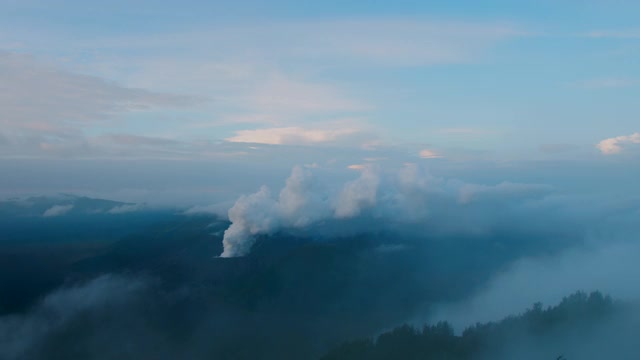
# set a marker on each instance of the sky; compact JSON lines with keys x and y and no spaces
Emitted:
{"x":127,"y":99}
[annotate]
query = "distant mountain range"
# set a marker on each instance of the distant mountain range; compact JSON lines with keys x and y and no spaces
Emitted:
{"x":62,"y":204}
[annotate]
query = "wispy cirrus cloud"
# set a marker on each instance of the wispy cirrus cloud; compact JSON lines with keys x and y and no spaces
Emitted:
{"x":281,"y":100}
{"x":387,"y":41}
{"x":616,"y":34}
{"x":280,"y":93}
{"x":610,"y":82}
{"x":402,"y":41}
{"x":38,"y":96}
{"x":116,"y":146}
{"x":279,"y":74}
{"x":465,"y":131}
{"x":275,"y":72}
{"x":45,"y":109}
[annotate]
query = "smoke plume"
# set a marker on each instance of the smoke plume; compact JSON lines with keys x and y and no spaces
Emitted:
{"x":410,"y":195}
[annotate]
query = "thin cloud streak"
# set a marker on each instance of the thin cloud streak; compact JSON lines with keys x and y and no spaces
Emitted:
{"x":614,"y":34}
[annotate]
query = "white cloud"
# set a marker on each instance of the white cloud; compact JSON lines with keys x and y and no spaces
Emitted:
{"x":429,"y":154}
{"x":127,"y":208}
{"x":616,"y":144}
{"x":358,"y":167}
{"x":57,"y":210}
{"x":292,"y":136}
{"x":218,"y":209}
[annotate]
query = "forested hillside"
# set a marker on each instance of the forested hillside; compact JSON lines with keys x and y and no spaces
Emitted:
{"x":566,"y":331}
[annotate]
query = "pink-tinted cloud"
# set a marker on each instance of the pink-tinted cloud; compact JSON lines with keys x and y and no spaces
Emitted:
{"x":615,"y":145}
{"x":293,"y":136}
{"x":429,"y":154}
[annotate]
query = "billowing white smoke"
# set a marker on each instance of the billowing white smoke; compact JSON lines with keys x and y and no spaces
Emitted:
{"x":250,"y":215}
{"x":357,"y":195}
{"x":299,"y":204}
{"x":402,"y":197}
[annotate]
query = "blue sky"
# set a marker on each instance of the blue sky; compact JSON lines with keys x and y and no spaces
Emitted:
{"x":331,"y":83}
